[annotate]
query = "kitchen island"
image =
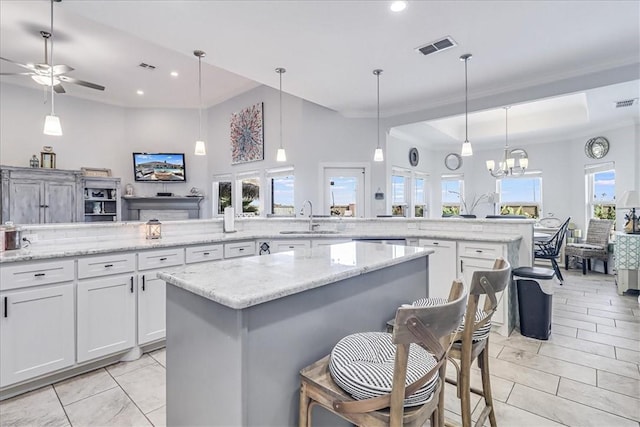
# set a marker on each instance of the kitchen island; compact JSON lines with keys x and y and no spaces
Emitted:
{"x":239,"y":331}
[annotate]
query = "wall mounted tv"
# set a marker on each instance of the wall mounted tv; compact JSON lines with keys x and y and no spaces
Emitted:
{"x":159,"y":167}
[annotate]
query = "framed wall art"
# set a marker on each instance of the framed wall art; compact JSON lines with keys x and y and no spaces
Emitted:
{"x":247,"y":135}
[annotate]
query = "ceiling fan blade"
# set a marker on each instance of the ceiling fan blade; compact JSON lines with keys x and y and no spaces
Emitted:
{"x":59,"y":89}
{"x":80,"y":82}
{"x":16,"y":74}
{"x":27,"y":66}
{"x":61,"y":69}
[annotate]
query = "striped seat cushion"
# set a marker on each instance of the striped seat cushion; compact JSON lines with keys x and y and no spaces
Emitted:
{"x":478,"y":335}
{"x":362,"y":365}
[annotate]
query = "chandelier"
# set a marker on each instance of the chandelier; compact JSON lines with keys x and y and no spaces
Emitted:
{"x":507,"y":167}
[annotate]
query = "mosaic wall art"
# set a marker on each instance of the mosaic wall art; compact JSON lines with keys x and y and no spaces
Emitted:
{"x":247,"y":135}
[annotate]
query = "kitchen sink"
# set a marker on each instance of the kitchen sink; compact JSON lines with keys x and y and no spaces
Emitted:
{"x":308,"y":232}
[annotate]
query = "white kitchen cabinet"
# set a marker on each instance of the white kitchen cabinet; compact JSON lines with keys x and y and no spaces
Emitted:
{"x":442,"y":266}
{"x":239,"y":249}
{"x":289,"y":245}
{"x":473,"y":256}
{"x":151,"y":308}
{"x":106,"y":316}
{"x":36,"y":332}
{"x":160,"y":258}
{"x":203,"y":253}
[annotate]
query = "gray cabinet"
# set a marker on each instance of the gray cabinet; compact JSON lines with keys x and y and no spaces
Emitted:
{"x":39,"y":196}
{"x":101,"y":199}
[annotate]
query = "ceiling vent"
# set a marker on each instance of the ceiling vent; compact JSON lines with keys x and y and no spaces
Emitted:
{"x":147,"y":66}
{"x":437,"y":46}
{"x":626,"y":103}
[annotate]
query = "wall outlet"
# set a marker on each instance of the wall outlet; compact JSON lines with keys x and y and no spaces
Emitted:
{"x":476,"y":227}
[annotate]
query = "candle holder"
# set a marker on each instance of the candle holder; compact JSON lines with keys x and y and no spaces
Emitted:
{"x":153,"y":229}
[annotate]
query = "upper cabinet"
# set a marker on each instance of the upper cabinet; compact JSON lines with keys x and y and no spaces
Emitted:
{"x":39,"y":196}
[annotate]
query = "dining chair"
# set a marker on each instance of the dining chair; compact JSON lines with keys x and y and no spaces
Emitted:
{"x":595,"y":247}
{"x":471,"y":341}
{"x":550,"y":249}
{"x":388,"y":379}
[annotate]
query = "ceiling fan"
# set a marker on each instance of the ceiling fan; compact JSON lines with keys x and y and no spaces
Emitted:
{"x":41,"y":73}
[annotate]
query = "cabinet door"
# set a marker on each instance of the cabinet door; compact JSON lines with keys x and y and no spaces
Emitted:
{"x":60,"y":202}
{"x":442,"y":266}
{"x":36,"y":332}
{"x":26,"y":201}
{"x":468,"y":266}
{"x":106,"y":316}
{"x":151,"y":308}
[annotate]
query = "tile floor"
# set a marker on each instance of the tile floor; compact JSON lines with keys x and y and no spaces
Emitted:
{"x":586,"y":374}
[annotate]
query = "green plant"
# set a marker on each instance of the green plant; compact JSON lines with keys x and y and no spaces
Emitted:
{"x":474,"y":202}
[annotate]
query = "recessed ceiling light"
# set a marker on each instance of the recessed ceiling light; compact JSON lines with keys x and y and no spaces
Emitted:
{"x":174,"y":74}
{"x":398,"y":6}
{"x":140,"y":92}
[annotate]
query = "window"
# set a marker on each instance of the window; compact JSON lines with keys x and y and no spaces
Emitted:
{"x":420,"y":207}
{"x":452,"y":189}
{"x":399,"y":193}
{"x":281,"y":184}
{"x":222,"y":193}
{"x":601,"y":189}
{"x":521,"y":195}
{"x":248,"y":185}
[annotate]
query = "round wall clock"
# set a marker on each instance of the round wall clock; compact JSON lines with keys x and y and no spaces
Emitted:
{"x":596,"y":148}
{"x":453,"y":161}
{"x":414,"y":156}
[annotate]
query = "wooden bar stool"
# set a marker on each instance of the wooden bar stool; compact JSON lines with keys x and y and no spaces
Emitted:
{"x":387,"y":379}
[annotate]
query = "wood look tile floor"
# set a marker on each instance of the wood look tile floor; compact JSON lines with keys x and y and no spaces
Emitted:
{"x":586,"y":374}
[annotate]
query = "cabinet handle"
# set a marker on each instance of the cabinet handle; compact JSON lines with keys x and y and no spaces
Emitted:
{"x":241,"y":249}
{"x":131,"y":288}
{"x":6,"y":309}
{"x":436,"y":243}
{"x":478,"y":251}
{"x":108,"y":265}
{"x":163,"y":259}
{"x":461,"y":267}
{"x":143,"y":282}
{"x":39,"y":274}
{"x":205,"y":253}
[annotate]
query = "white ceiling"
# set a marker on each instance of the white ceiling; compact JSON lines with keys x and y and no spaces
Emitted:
{"x":329,"y":48}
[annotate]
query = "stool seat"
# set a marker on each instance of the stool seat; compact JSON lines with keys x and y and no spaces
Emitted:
{"x":362,"y":365}
{"x":534,"y":273}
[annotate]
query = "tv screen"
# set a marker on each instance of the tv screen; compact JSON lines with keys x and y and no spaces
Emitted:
{"x":159,"y":167}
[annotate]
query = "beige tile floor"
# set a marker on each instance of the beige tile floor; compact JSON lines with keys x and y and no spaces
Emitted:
{"x":588,"y":373}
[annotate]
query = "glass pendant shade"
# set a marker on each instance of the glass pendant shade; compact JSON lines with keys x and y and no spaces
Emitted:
{"x":466,"y":149}
{"x":491,"y":165}
{"x":201,"y":149}
{"x":281,"y":155}
{"x":378,"y":156}
{"x":524,"y":163}
{"x":52,"y":125}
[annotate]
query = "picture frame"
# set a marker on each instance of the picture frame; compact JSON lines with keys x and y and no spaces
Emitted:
{"x":97,"y":172}
{"x":247,"y":135}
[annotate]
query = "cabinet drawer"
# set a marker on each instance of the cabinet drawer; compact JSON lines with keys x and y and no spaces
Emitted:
{"x":160,"y":259}
{"x":480,"y":250}
{"x":203,"y":253}
{"x":232,"y":250}
{"x":42,"y":273}
{"x":289,"y":245}
{"x":435,"y":243}
{"x":106,"y":265}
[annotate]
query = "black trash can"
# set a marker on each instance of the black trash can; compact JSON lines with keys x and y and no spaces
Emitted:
{"x":534,"y":304}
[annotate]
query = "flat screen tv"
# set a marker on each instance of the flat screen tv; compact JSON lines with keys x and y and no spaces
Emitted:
{"x":159,"y":167}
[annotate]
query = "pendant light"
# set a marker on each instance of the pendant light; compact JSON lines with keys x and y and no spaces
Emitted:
{"x":507,"y":167}
{"x":52,"y":124}
{"x":200,"y":150}
{"x":378,"y":155}
{"x":466,"y":145}
{"x":281,"y":155}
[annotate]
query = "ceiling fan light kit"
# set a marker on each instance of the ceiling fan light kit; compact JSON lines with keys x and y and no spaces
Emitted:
{"x":378,"y":155}
{"x":467,"y":150}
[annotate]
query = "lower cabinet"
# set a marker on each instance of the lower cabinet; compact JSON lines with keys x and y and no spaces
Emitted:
{"x":151,"y":308}
{"x":106,"y":316}
{"x":442,"y":266}
{"x":36,"y":332}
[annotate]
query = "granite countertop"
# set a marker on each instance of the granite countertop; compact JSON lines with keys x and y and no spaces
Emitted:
{"x":44,"y":252}
{"x":245,"y":282}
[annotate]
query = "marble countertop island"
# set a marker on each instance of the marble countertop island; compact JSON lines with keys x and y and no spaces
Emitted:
{"x":242,"y":283}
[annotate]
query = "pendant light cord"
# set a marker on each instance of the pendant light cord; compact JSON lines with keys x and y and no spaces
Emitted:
{"x":51,"y":66}
{"x":466,"y":102}
{"x":200,"y":97}
{"x":378,"y":105}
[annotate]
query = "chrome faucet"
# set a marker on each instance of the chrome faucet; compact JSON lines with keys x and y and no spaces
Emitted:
{"x":312,"y":226}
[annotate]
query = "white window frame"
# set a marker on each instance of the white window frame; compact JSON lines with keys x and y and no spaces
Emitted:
{"x":217,"y":179}
{"x":270,"y":174}
{"x":237,"y":194}
{"x":452,"y":177}
{"x":589,"y":176}
{"x":414,"y":203}
{"x":527,"y":175}
{"x":405,"y":204}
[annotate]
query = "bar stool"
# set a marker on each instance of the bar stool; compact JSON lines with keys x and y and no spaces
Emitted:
{"x":382,"y":379}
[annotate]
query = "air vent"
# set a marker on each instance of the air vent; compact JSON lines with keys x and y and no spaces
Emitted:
{"x":437,"y":46}
{"x":147,"y":66}
{"x":626,"y":103}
